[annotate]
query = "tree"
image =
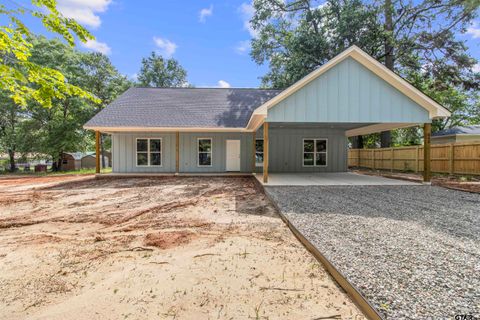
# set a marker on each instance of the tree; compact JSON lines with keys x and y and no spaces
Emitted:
{"x":59,"y":129}
{"x":411,"y":38}
{"x":22,"y":77}
{"x":159,"y":72}
{"x":10,"y":126}
{"x":104,"y":81}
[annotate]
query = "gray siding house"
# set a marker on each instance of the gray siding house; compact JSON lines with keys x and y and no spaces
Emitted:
{"x":303,"y":128}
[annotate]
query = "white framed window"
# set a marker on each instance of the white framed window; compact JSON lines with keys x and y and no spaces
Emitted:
{"x":315,"y":152}
{"x":259,"y":152}
{"x":204,"y":148}
{"x":149,"y":152}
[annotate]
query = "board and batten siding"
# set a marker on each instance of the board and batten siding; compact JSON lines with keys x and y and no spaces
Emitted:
{"x":124,"y":152}
{"x":286,"y":149}
{"x":189,"y":151}
{"x":348,"y":92}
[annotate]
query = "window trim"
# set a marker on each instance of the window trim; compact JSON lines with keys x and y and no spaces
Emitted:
{"x":315,"y":153}
{"x":148,"y":153}
{"x":259,"y":165}
{"x":211,"y":153}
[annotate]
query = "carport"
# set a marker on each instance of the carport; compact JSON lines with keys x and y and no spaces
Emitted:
{"x":305,"y":127}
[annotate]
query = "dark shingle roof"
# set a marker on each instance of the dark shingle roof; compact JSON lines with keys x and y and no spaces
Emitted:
{"x":182,"y":107}
{"x":475,"y":129}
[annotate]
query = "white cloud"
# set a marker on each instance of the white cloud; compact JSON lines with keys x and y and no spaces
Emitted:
{"x":246,"y":12}
{"x":97,"y":46}
{"x":243,"y":47}
{"x":204,"y":13}
{"x":476,"y":68}
{"x":223,"y":84}
{"x":474,"y":30}
{"x":84,"y":11}
{"x":167,"y":47}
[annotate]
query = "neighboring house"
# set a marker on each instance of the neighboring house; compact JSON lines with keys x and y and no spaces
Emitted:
{"x":81,"y":160}
{"x":303,"y":128}
{"x":457,"y":134}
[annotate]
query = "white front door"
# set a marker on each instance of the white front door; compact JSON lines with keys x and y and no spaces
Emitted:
{"x":233,"y":155}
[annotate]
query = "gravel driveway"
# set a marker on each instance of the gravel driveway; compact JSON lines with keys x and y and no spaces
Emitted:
{"x":413,"y":251}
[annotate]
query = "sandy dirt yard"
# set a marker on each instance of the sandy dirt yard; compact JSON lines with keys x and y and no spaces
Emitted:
{"x":159,"y":248}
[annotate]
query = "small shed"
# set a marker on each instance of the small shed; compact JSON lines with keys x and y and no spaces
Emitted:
{"x":457,"y":134}
{"x":71,"y":160}
{"x":88,"y":160}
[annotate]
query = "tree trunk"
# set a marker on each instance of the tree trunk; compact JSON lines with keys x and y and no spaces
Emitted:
{"x":385,"y":136}
{"x":357,"y":142}
{"x":385,"y":139}
{"x":11,"y":155}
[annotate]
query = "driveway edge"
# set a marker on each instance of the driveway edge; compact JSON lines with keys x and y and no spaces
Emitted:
{"x":362,"y":303}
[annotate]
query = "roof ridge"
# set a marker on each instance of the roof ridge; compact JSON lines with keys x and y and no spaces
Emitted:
{"x":216,"y":88}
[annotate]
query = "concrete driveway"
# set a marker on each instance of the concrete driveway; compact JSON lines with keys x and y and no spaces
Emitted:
{"x":329,"y":179}
{"x":412,"y":250}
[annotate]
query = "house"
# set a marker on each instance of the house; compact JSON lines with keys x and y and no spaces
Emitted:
{"x":303,"y":128}
{"x":457,"y":134}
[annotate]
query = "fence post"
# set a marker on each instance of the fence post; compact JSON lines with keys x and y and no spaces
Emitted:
{"x":373,"y":159}
{"x":451,"y":168}
{"x":392,"y":163}
{"x":416,"y":158}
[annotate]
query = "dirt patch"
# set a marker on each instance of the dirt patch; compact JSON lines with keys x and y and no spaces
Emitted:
{"x":167,"y":248}
{"x":167,"y":240}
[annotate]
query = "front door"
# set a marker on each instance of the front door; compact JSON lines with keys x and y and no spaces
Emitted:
{"x":233,"y":155}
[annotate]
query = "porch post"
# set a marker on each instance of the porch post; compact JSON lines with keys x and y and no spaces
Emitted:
{"x":265,"y":152}
{"x":254,"y":149}
{"x":97,"y":152}
{"x":177,"y":152}
{"x":427,"y":131}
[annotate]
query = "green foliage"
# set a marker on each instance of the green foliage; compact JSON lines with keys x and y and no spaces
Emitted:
{"x":58,"y":129}
{"x":159,"y":72}
{"x":19,"y":75}
{"x":297,"y":36}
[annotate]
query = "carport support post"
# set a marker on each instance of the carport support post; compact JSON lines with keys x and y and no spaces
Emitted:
{"x":177,"y":152}
{"x":254,"y":140}
{"x":97,"y":151}
{"x":265,"y":152}
{"x":427,"y":131}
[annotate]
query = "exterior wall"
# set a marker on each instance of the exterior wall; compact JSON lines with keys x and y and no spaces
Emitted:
{"x":348,"y":92}
{"x":123,"y":152}
{"x":286,"y":149}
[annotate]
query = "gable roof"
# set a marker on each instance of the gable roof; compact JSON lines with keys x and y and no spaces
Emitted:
{"x":469,"y":130}
{"x":182,"y":108}
{"x":435,"y":109}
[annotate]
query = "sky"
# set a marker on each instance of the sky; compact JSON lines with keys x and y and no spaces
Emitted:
{"x":210,"y":39}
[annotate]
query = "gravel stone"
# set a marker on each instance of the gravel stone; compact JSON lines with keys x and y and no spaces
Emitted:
{"x":413,"y":251}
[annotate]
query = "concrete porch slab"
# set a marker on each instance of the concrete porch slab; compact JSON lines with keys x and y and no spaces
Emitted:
{"x":329,"y":179}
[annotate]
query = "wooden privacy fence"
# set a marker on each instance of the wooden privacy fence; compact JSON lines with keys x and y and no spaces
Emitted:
{"x":453,"y":158}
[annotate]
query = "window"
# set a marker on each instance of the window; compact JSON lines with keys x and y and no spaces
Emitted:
{"x":204,"y":152}
{"x":314,"y":152}
{"x":149,"y":152}
{"x":259,"y":152}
